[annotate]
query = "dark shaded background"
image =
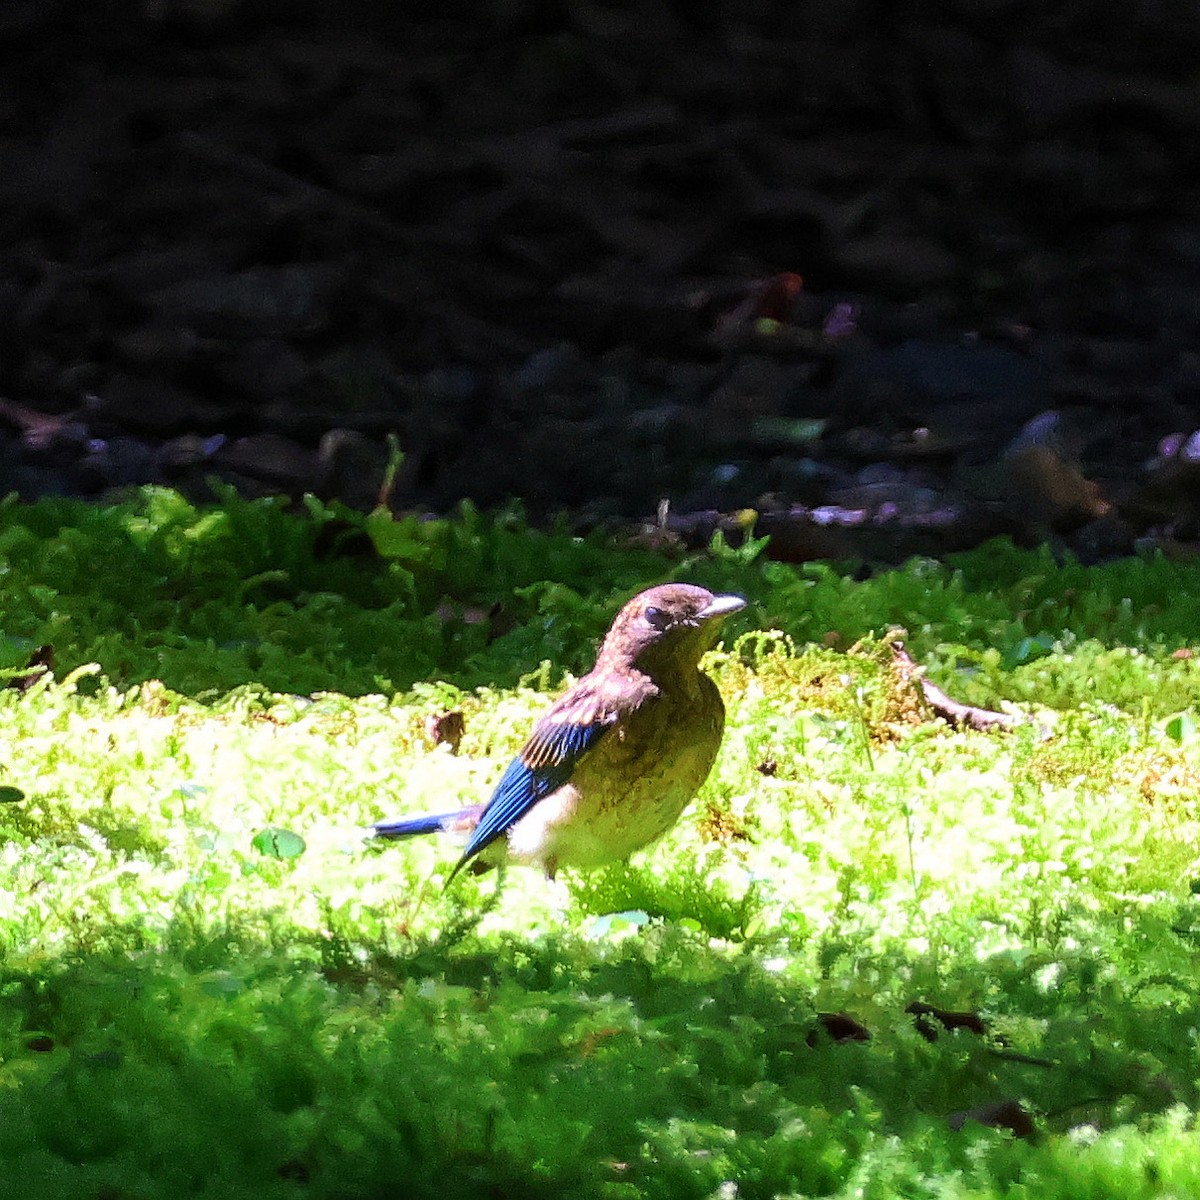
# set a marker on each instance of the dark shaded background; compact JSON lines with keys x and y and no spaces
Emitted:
{"x":557,"y":250}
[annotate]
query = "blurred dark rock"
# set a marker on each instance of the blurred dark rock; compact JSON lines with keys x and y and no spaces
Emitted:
{"x":834,"y":263}
{"x":26,"y":16}
{"x":264,"y":368}
{"x":151,"y":407}
{"x":265,"y":302}
{"x":351,"y":468}
{"x":157,"y":347}
{"x":897,"y":264}
{"x":271,"y":459}
{"x":115,"y":462}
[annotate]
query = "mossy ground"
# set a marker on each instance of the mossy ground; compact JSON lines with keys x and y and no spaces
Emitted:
{"x":191,"y":1008}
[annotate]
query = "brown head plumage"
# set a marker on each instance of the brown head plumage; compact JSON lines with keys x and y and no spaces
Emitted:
{"x":666,"y":628}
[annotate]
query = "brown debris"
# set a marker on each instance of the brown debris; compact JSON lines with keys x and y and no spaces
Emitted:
{"x":1049,"y":493}
{"x":445,"y":729}
{"x":926,"y":1015}
{"x":1002,"y":1114}
{"x":719,"y":823}
{"x":952,"y":711}
{"x":39,"y":664}
{"x":38,"y":429}
{"x":840,"y":1027}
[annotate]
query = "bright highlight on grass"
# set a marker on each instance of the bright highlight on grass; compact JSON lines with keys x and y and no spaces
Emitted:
{"x":878,"y":957}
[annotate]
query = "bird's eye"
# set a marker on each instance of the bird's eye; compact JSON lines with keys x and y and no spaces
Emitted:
{"x":656,"y":618}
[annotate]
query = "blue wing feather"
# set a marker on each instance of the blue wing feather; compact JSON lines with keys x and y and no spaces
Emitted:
{"x":544,"y":765}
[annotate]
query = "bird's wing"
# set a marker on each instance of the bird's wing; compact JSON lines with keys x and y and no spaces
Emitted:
{"x":567,"y":732}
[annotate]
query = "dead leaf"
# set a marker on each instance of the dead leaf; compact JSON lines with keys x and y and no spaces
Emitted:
{"x":841,"y":1027}
{"x":927,"y":1014}
{"x":1046,"y":492}
{"x":445,"y":729}
{"x":39,"y":663}
{"x":1002,"y":1114}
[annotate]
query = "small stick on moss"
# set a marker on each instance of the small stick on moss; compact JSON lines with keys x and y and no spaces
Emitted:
{"x":388,"y":483}
{"x":952,"y":711}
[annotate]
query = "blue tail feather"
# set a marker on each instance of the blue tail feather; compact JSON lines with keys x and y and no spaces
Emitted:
{"x":402,"y":827}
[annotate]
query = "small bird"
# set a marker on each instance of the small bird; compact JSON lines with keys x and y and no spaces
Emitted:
{"x":617,"y":757}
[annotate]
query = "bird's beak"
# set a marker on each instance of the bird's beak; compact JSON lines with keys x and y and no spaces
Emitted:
{"x":721,"y":606}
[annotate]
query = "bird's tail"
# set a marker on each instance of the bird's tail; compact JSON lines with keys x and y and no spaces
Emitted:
{"x":461,"y":820}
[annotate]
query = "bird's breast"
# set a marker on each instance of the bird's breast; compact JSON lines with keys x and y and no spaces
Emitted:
{"x":630,"y":789}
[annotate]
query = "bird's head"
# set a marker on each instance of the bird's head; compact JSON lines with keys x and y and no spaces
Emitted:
{"x":667,"y":627}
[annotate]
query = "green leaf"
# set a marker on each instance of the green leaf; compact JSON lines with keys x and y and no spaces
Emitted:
{"x":10,"y":795}
{"x":611,"y":924}
{"x":1181,"y":727}
{"x":1028,"y":649}
{"x":278,"y":843}
{"x":407,"y":539}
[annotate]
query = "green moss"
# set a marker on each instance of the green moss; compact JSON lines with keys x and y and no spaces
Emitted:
{"x":209,"y":987}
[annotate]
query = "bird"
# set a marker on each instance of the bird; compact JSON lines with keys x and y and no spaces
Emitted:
{"x":612,"y":764}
